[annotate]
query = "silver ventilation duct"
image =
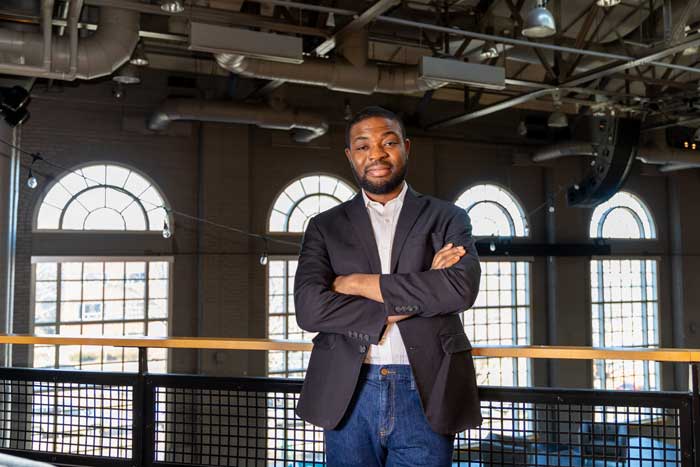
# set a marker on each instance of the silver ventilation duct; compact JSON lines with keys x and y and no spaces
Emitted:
{"x":337,"y":75}
{"x":305,"y":126}
{"x":95,"y":56}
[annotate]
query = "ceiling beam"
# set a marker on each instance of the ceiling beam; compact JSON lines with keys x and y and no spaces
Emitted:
{"x":360,"y":22}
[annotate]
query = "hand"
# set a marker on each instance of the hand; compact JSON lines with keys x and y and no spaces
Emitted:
{"x":448,"y":256}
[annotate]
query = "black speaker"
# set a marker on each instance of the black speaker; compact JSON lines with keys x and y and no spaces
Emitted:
{"x":615,"y":144}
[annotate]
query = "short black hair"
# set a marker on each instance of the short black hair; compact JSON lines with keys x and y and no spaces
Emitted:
{"x":369,"y":112}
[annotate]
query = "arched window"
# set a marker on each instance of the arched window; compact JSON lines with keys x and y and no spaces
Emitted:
{"x":102,"y":197}
{"x":501,"y":313}
{"x":96,"y":295}
{"x":624,"y":302}
{"x":300,"y":200}
{"x":498,"y":212}
{"x":304,"y":198}
{"x":622,"y":216}
{"x":296,"y":204}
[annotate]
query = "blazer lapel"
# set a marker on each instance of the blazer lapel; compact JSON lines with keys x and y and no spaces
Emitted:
{"x":413,"y":204}
{"x":362,"y":226}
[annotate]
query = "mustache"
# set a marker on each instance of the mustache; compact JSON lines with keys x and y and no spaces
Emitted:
{"x":382,"y":165}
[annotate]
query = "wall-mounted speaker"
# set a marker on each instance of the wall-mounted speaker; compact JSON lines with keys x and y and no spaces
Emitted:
{"x":615,"y":145}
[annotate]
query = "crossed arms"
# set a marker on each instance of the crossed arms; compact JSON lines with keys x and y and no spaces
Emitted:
{"x":361,"y":304}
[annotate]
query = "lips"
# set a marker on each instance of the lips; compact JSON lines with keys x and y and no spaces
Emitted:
{"x":379,"y":171}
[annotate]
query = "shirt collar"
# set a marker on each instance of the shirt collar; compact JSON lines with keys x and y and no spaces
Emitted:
{"x":399,"y":198}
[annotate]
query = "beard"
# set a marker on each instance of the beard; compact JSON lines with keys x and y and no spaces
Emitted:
{"x":382,"y":187}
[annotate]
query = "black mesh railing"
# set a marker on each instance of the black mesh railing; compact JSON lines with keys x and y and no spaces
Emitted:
{"x":180,"y":420}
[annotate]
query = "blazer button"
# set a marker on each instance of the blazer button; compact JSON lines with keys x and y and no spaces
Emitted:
{"x":363,"y":348}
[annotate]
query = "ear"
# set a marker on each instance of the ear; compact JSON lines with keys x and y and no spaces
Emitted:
{"x":407,"y":146}
{"x":348,"y":154}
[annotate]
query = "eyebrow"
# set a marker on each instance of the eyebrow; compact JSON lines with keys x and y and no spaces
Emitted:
{"x":388,"y":132}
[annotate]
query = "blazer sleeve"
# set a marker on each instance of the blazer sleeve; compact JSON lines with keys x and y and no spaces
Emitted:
{"x":318,"y":308}
{"x":437,"y":291}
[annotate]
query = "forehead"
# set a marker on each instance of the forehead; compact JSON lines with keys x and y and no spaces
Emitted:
{"x":374,"y":126}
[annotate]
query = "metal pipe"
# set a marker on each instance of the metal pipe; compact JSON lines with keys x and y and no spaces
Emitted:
{"x":305,"y":126}
{"x":674,"y":167}
{"x":76,"y":7}
{"x":506,"y":104}
{"x":556,"y":151}
{"x":46,"y":18}
{"x":100,"y":55}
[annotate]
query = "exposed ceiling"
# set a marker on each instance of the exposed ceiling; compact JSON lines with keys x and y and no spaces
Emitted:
{"x":638,"y":59}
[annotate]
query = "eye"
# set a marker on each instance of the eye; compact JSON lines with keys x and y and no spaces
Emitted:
{"x":361,"y":148}
{"x":391,"y":143}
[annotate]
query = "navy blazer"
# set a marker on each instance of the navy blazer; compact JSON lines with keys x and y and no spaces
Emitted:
{"x":341,"y":241}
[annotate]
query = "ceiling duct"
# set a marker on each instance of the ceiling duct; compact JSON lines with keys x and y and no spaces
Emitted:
{"x":69,"y":58}
{"x":615,"y":144}
{"x":265,"y":46}
{"x":341,"y":74}
{"x":304,"y":126}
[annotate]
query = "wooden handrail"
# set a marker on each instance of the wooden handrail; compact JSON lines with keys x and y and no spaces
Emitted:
{"x":221,"y":343}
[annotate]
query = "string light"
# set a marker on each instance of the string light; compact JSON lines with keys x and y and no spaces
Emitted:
{"x":31,"y":179}
{"x":167,"y":233}
{"x":492,"y":246}
{"x":264,"y":259}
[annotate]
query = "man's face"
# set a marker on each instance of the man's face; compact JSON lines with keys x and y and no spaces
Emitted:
{"x":378,"y":154}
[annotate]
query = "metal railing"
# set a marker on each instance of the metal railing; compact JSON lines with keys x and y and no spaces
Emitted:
{"x":142,"y":419}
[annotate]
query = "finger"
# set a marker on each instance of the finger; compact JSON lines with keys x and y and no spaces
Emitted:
{"x":447,"y":246}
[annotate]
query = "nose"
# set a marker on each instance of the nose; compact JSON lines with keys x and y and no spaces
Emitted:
{"x":377,"y":152}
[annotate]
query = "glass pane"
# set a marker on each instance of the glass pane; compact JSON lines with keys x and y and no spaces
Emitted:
{"x":48,"y":217}
{"x":116,"y":176}
{"x":134,"y":217}
{"x":74,"y":216}
{"x":105,"y":219}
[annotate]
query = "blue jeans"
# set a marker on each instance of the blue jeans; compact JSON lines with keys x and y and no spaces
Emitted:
{"x":385,"y":425}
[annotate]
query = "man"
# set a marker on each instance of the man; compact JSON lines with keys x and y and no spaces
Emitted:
{"x":382,"y":279}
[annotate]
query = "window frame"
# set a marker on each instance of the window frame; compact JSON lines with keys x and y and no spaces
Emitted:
{"x":86,"y":258}
{"x":46,"y":189}
{"x":281,"y":192}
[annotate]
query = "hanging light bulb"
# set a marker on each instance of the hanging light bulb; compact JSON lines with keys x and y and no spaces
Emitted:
{"x":167,"y":233}
{"x":139,"y":57}
{"x":172,"y":6}
{"x":488,"y":51}
{"x":539,"y":22}
{"x":607,"y":3}
{"x":551,"y":208}
{"x":557,"y":119}
{"x":264,"y":259}
{"x":492,"y":246}
{"x":31,"y":180}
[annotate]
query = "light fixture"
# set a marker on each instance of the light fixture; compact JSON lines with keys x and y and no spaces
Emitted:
{"x":128,"y":74}
{"x":551,"y":208}
{"x":31,"y":180}
{"x":557,"y":119}
{"x":492,"y":246}
{"x":264,"y":259}
{"x":539,"y":22}
{"x":167,"y":233}
{"x":139,"y":57}
{"x":607,"y":3}
{"x":488,"y":51}
{"x":172,"y":6}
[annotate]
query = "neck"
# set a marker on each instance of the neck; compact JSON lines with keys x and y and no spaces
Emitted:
{"x":386,"y":197}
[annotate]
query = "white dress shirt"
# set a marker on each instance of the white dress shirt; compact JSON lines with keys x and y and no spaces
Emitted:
{"x":384,"y":217}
